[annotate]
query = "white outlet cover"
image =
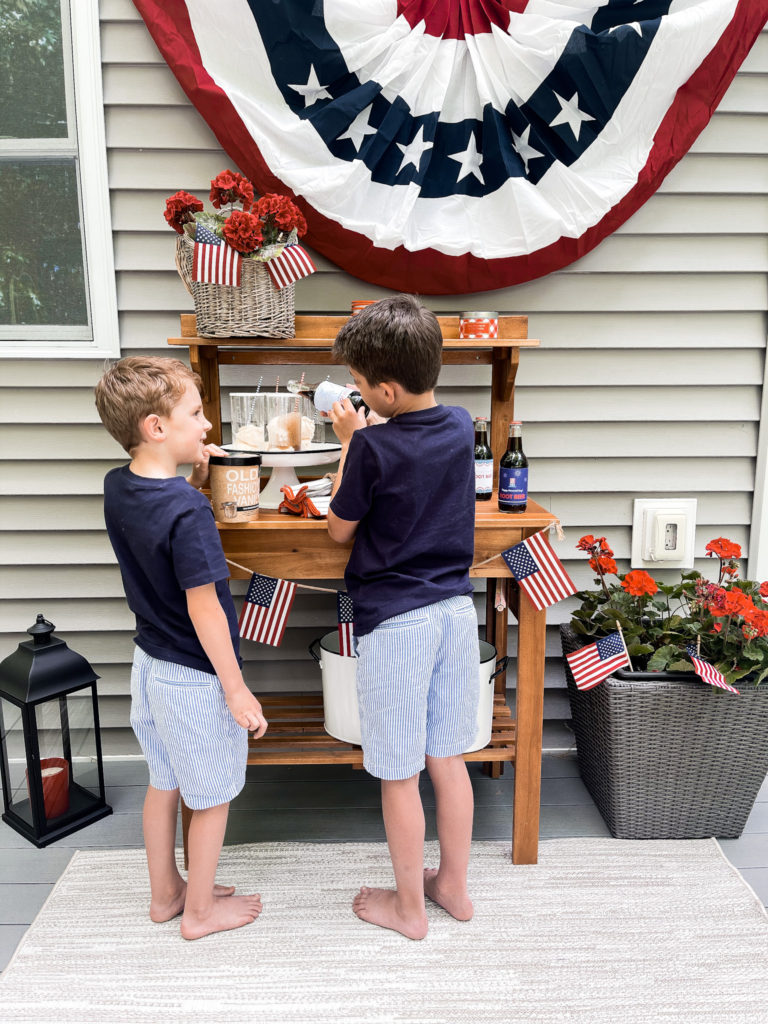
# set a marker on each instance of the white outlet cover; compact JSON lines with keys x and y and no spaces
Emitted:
{"x":641,"y":506}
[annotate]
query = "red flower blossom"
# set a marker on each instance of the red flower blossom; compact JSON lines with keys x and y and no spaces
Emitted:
{"x":231,"y":187}
{"x":242,"y":231}
{"x":717,"y":628}
{"x":764,"y":589}
{"x":638,"y":583}
{"x":605,"y":563}
{"x":180,"y":208}
{"x":586,"y":543}
{"x":723,"y":548}
{"x":281,"y":213}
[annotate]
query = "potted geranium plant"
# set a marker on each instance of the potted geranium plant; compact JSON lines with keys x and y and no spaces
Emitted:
{"x":664,"y":754}
{"x":236,"y":295}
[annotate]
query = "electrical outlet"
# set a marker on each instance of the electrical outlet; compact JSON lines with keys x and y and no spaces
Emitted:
{"x":663,"y":533}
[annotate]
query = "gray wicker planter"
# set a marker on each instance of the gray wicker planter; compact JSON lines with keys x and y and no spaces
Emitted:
{"x":665,"y":756}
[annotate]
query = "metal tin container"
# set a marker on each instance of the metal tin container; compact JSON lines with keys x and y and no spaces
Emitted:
{"x":478,"y":324}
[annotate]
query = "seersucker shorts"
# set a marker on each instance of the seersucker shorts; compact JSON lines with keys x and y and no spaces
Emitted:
{"x":185,"y":729}
{"x":417,"y":687}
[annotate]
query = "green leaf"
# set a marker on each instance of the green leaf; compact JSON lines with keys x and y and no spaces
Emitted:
{"x":680,"y":666}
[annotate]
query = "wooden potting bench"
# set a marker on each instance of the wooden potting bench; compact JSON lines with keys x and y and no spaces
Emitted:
{"x":292,"y":548}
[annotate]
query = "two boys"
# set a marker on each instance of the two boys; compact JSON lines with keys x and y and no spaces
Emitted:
{"x":405,"y":492}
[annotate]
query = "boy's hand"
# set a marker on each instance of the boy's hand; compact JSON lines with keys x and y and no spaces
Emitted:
{"x":199,"y":474}
{"x":346,"y":420}
{"x":246,"y":711}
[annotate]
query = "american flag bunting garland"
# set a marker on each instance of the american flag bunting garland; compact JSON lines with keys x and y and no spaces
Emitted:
{"x":291,"y":265}
{"x":539,"y":571}
{"x":708,"y":673}
{"x":266,"y":609}
{"x":213,"y":261}
{"x":592,"y":664}
{"x":346,"y":614}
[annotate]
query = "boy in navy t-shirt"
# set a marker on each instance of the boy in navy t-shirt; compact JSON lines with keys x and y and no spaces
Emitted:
{"x":190,"y":707}
{"x":405,"y":491}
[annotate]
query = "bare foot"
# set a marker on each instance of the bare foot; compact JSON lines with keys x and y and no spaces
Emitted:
{"x":224,"y":914}
{"x":381,"y":907}
{"x":165,"y":910}
{"x":458,"y":904}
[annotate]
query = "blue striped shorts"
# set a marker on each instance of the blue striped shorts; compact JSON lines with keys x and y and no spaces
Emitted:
{"x":417,"y":687}
{"x":185,"y":729}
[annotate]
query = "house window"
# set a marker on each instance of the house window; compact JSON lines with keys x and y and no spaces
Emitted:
{"x":57,"y":289}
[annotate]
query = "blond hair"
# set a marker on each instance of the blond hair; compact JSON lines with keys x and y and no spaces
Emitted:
{"x":137,"y":387}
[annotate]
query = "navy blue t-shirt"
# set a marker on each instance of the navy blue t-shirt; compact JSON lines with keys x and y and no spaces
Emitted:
{"x":411,"y":483}
{"x":166,"y":542}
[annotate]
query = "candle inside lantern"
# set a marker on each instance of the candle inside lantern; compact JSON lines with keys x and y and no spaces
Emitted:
{"x":54,"y":772}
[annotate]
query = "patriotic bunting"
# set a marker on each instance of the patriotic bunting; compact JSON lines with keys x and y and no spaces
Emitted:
{"x":539,"y":571}
{"x":346,"y":614}
{"x":291,"y":265}
{"x":709,"y":673}
{"x":214,"y":262}
{"x":265,"y":612}
{"x":444,"y":147}
{"x":592,"y":664}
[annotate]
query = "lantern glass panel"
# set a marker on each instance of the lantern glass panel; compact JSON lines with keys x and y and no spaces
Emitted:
{"x":15,"y":760}
{"x":67,"y":738}
{"x":82,"y":731}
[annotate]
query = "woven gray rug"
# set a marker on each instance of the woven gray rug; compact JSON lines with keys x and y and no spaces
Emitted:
{"x":600,"y":931}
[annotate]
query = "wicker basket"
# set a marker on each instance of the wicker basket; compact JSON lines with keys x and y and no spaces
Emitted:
{"x":256,"y":309}
{"x":665,"y":756}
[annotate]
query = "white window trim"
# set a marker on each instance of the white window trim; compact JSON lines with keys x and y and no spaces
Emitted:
{"x":101,"y":339}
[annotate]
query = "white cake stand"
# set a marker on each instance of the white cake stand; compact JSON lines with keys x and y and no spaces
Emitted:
{"x":284,"y":466}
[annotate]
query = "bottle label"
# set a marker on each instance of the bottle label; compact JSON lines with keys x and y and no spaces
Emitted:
{"x":513,"y":484}
{"x":483,"y":476}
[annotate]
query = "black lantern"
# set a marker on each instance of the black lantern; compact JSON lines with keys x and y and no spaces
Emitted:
{"x":53,"y":775}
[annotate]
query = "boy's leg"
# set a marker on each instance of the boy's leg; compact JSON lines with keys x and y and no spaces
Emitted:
{"x":401,"y":908}
{"x":455,"y":808}
{"x":161,"y":808}
{"x":204,"y":910}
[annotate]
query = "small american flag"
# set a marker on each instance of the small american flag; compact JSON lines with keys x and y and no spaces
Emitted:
{"x":709,"y":673}
{"x":592,"y":664}
{"x":291,"y":265}
{"x":213,"y":261}
{"x":346,"y":624}
{"x":265,"y":612}
{"x":539,"y":571}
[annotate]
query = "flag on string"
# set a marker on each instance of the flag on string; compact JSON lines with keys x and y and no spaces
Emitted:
{"x":214,"y":262}
{"x":346,"y":613}
{"x":592,"y":664}
{"x":539,"y":571}
{"x":291,"y":265}
{"x":709,"y":673}
{"x":266,"y":609}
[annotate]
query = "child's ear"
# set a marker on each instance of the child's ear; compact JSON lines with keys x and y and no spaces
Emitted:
{"x":151,"y":428}
{"x":389,"y":391}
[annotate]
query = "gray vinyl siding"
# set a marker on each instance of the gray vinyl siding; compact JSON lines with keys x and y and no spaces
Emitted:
{"x":648,"y":381}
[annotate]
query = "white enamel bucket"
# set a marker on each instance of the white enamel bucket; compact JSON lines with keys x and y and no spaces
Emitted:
{"x":342,"y":717}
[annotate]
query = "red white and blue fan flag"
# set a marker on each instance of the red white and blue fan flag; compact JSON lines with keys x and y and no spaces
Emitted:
{"x":592,"y":664}
{"x":265,"y":612}
{"x":439,"y":146}
{"x":215,"y":262}
{"x":539,"y":571}
{"x":346,"y":613}
{"x":709,"y":673}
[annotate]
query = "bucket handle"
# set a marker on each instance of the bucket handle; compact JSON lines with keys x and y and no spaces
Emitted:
{"x":314,"y":647}
{"x":501,"y":666}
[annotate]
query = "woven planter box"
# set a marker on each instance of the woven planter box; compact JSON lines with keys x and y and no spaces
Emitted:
{"x":256,"y":309}
{"x":664,"y":756}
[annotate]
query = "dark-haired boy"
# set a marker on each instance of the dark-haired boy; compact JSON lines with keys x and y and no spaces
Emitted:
{"x":405,"y":492}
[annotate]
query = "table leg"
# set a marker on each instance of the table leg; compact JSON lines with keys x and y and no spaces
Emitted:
{"x":496,"y":634}
{"x":532,"y":633}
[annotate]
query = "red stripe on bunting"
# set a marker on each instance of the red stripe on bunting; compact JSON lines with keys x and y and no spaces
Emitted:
{"x":428,"y":271}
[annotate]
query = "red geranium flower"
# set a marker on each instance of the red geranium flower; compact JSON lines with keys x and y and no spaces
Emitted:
{"x":638,"y":583}
{"x":586,"y":543}
{"x":723,"y":548}
{"x":180,"y":208}
{"x":605,"y":563}
{"x":281,"y":213}
{"x":231,"y":187}
{"x":242,"y":231}
{"x":764,"y":589}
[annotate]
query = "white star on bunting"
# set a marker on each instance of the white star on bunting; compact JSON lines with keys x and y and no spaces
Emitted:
{"x":470,"y":160}
{"x":524,"y":150}
{"x":414,"y":151}
{"x":359,"y":128}
{"x":570,"y":114}
{"x":630,"y":24}
{"x":312,"y":91}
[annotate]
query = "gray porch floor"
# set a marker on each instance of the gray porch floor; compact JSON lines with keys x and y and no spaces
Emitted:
{"x":324,"y":804}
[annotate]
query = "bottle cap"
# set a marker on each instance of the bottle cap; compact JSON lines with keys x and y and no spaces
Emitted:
{"x":515,"y":423}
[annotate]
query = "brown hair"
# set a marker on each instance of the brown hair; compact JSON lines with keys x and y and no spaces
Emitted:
{"x":135,"y":388}
{"x":395,"y":339}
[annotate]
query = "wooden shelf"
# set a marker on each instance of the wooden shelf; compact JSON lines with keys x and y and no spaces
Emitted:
{"x":296,"y":734}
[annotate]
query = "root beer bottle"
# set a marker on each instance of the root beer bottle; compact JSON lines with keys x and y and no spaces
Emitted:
{"x":483,"y":462}
{"x":513,"y":472}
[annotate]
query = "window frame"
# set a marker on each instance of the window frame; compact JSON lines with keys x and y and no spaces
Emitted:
{"x":86,"y":141}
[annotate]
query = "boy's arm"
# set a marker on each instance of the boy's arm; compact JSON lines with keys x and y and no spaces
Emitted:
{"x":199,"y":474}
{"x":212,"y":628}
{"x":341,"y":530}
{"x":346,"y":420}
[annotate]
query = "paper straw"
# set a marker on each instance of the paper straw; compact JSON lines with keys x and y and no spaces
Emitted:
{"x":253,"y":402}
{"x":298,"y":393}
